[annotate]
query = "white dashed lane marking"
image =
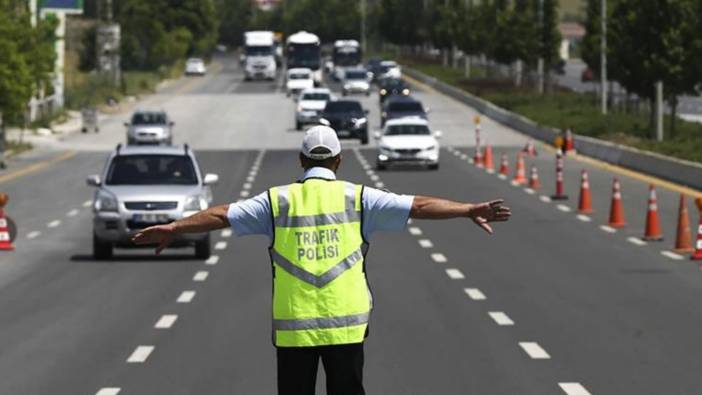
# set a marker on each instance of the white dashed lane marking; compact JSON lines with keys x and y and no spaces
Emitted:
{"x":573,"y":389}
{"x":502,"y":176}
{"x":563,"y":208}
{"x":583,"y":218}
{"x":455,"y":274}
{"x":109,"y":391}
{"x":426,"y":243}
{"x":636,"y":241}
{"x":186,"y":297}
{"x":226,"y":233}
{"x":379,"y":185}
{"x":438,"y":258}
{"x":87,"y":203}
{"x":72,"y":213}
{"x":545,"y":199}
{"x":474,"y":293}
{"x":212,"y":260}
{"x":608,"y":229}
{"x":672,"y":255}
{"x":220,"y":245}
{"x":250,"y":178}
{"x":415,"y":231}
{"x":166,"y":321}
{"x":529,"y":191}
{"x":33,"y":234}
{"x":244,"y":193}
{"x":501,"y":318}
{"x":141,"y":354}
{"x":54,"y":223}
{"x":247,"y":185}
{"x":534,"y":350}
{"x":201,"y":276}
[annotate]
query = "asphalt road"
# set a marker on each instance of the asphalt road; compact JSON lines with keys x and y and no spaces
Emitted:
{"x":550,"y":304}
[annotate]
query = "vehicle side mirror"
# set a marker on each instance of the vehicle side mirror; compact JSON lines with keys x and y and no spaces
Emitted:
{"x":171,"y":123}
{"x":438,"y":134}
{"x":93,"y":180}
{"x":377,"y":135}
{"x":365,"y":111}
{"x":210,"y":179}
{"x":126,"y":124}
{"x":427,"y":110}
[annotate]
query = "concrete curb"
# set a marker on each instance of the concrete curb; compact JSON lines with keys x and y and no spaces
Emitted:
{"x":676,"y":170}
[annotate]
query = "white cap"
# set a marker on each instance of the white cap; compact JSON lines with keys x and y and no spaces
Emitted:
{"x":320,"y":136}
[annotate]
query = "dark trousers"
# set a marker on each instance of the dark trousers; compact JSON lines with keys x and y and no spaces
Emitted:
{"x":343,"y":366}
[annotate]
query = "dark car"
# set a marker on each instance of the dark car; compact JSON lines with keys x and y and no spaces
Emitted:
{"x":373,"y":65}
{"x":391,"y":87}
{"x":347,"y":118}
{"x":401,"y":107}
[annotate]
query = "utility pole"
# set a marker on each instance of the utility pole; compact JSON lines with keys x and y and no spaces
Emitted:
{"x":364,"y":46}
{"x":603,"y":57}
{"x":659,"y":111}
{"x":540,"y":64}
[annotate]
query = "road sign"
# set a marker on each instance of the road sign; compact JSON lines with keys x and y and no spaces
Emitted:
{"x":65,"y":6}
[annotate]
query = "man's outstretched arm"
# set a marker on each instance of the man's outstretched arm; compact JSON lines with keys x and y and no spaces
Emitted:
{"x":427,"y":207}
{"x":204,"y":221}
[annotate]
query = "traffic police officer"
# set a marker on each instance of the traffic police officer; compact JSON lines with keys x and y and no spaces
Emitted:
{"x":319,"y":229}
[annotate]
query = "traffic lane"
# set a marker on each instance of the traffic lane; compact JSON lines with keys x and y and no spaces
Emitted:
{"x":635,"y":194}
{"x":65,"y":301}
{"x":418,"y":341}
{"x":594,"y":304}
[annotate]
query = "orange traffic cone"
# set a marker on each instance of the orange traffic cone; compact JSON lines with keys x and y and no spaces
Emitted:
{"x":520,"y":172}
{"x":653,"y":224}
{"x":529,"y":148}
{"x":698,"y":246}
{"x":487,"y":160}
{"x":534,"y":179}
{"x":504,"y":165}
{"x":569,"y":143}
{"x":478,"y":157}
{"x":616,"y":211}
{"x":683,"y":237}
{"x":5,"y":239}
{"x":585,"y":201}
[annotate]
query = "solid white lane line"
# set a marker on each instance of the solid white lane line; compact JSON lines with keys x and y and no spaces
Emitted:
{"x":244,"y":193}
{"x":636,"y":241}
{"x":563,"y":208}
{"x":608,"y":229}
{"x":34,"y":234}
{"x":54,"y":223}
{"x":140,"y":354}
{"x":672,"y":255}
{"x":201,"y":275}
{"x":414,"y":230}
{"x":474,"y":293}
{"x":186,"y":297}
{"x":226,"y":233}
{"x":573,"y":389}
{"x":379,"y":185}
{"x":455,"y":274}
{"x":212,"y":260}
{"x":72,"y":213}
{"x":529,"y":191}
{"x":583,"y":218}
{"x":501,"y":318}
{"x":109,"y":391}
{"x":166,"y":321}
{"x":545,"y":199}
{"x":426,"y":243}
{"x":534,"y":350}
{"x":438,"y":258}
{"x":220,"y":245}
{"x":87,"y":203}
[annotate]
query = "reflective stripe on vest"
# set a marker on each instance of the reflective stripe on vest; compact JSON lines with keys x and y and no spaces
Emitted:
{"x":320,"y":293}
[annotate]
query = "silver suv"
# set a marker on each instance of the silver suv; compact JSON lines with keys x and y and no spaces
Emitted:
{"x":144,"y":186}
{"x":150,"y":127}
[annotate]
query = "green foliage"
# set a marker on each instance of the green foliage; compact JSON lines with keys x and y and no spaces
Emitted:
{"x":400,"y":22}
{"x":329,"y":19}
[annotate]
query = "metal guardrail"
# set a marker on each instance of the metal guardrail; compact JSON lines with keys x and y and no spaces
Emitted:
{"x":680,"y":171}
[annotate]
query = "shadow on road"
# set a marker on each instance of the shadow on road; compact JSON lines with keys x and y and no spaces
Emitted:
{"x":127,"y":258}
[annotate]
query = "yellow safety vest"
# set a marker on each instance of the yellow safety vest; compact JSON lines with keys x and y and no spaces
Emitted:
{"x":320,"y":293}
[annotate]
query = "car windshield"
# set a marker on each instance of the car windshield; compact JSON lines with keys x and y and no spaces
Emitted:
{"x":343,"y":106}
{"x":408,"y":130}
{"x":299,"y":76}
{"x":393,"y":84}
{"x":151,"y":170}
{"x":315,"y":96}
{"x":412,"y":106}
{"x":356,"y":75}
{"x":262,"y":50}
{"x":149,"y":118}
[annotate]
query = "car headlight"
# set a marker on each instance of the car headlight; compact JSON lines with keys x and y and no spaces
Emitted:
{"x":405,"y":91}
{"x":383,"y":92}
{"x":347,"y":86}
{"x":105,"y":201}
{"x":299,"y":108}
{"x":194,"y":203}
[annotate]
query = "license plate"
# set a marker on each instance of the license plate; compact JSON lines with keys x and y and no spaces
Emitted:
{"x":151,"y":218}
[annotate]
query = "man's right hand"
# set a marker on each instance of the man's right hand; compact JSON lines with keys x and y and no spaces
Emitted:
{"x":159,"y":234}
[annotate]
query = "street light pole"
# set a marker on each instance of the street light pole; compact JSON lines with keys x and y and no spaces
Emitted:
{"x":363,"y":26}
{"x":540,"y":64}
{"x":603,"y":57}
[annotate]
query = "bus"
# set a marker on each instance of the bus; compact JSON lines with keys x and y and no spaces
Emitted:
{"x":303,"y":50}
{"x":346,"y":53}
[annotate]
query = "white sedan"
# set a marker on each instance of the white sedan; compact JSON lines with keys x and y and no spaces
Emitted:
{"x":195,"y":66}
{"x":297,"y":80}
{"x":407,"y":141}
{"x":310,"y":104}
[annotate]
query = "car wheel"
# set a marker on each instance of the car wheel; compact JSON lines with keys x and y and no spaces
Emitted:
{"x":434,"y":166}
{"x":364,"y":138}
{"x":202,"y":248}
{"x":101,"y":249}
{"x":380,"y":167}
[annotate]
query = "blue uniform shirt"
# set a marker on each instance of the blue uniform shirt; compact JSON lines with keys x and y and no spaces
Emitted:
{"x":381,"y":210}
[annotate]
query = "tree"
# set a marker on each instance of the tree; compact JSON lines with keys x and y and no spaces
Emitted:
{"x":394,"y":25}
{"x":590,"y":46}
{"x":234,"y":20}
